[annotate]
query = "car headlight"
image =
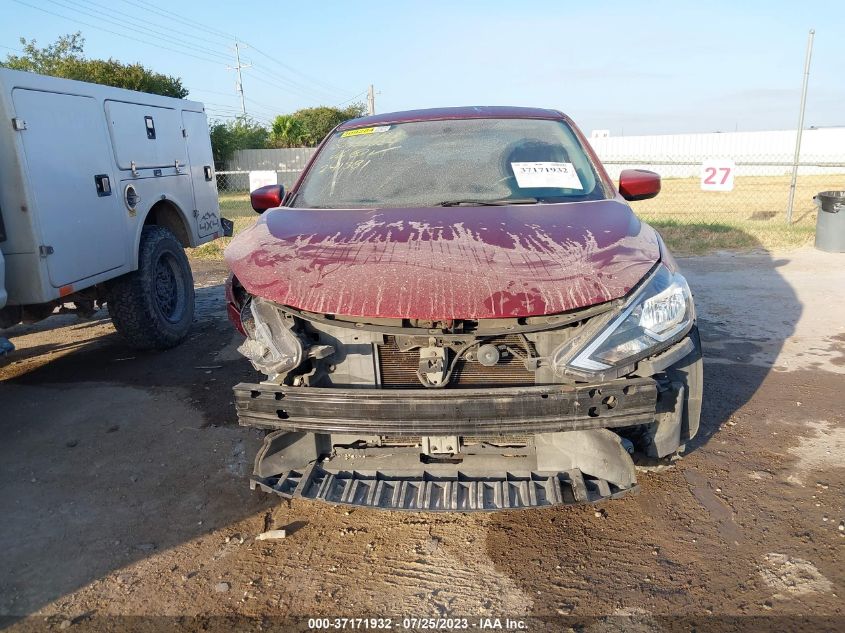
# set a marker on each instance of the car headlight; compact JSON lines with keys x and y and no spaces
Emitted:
{"x":271,"y":346}
{"x":661,"y":309}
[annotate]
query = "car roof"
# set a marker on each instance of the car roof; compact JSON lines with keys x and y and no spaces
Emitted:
{"x":466,"y":112}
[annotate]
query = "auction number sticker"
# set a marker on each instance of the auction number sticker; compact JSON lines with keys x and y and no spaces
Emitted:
{"x":365,"y":130}
{"x":717,"y":175}
{"x":542,"y":174}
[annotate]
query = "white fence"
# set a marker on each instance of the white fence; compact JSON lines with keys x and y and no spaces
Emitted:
{"x":763,"y":165}
{"x":284,"y":159}
{"x":754,"y":153}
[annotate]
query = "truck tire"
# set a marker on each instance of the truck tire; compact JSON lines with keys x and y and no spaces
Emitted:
{"x":153,"y":307}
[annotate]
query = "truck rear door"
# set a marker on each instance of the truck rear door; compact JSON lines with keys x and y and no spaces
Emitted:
{"x":207,"y":206}
{"x":70,"y":169}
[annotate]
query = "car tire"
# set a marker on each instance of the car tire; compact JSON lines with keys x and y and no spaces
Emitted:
{"x":153,"y":307}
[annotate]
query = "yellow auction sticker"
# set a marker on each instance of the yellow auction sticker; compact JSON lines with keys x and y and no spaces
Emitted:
{"x":365,"y":130}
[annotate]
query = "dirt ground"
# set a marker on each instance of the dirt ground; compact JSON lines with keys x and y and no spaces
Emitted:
{"x":124,"y":489}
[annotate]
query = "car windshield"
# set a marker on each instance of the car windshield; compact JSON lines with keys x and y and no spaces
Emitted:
{"x":449,"y":163}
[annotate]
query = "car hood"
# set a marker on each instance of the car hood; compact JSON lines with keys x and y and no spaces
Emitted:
{"x":445,"y":263}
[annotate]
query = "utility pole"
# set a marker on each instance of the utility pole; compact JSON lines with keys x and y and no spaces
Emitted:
{"x":809,"y":55}
{"x":371,"y":100}
{"x":239,"y":83}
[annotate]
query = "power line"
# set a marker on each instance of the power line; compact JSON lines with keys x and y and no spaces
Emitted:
{"x":100,"y":27}
{"x":314,"y":92}
{"x":212,"y":92}
{"x":163,"y":31}
{"x":236,"y":114}
{"x":320,"y":85}
{"x":326,"y":86}
{"x":271,"y":78}
{"x":220,"y":105}
{"x":149,"y":32}
{"x":342,"y":103}
{"x":164,"y":36}
{"x":175,"y":16}
{"x":219,"y":115}
{"x":319,"y":91}
{"x":224,"y":107}
{"x":167,"y":30}
{"x":269,"y":110}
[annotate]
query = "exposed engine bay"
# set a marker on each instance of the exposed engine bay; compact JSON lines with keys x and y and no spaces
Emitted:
{"x":462,"y":414}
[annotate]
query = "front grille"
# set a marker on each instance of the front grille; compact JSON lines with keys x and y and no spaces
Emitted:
{"x":399,"y":369}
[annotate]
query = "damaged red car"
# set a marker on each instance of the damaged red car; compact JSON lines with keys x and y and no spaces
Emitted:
{"x":456,"y":309}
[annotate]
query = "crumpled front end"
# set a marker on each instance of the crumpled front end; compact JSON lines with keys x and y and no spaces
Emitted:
{"x":466,"y":415}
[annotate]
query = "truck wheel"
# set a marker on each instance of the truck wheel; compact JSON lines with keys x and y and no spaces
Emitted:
{"x":153,"y":307}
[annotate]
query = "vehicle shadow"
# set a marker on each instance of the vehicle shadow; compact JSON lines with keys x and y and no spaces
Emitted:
{"x":689,"y":542}
{"x":105,"y":463}
{"x":746,"y":310}
{"x":110,"y":455}
{"x":52,"y":323}
{"x":64,"y":349}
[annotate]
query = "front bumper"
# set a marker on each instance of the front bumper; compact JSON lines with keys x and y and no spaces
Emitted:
{"x":515,"y":410}
{"x":516,"y":447}
{"x":391,"y":485}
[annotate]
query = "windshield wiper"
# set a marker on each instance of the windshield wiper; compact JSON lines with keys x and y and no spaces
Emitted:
{"x":487,"y":203}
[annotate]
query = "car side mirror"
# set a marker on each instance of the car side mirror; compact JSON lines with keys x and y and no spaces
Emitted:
{"x":267,"y":197}
{"x":638,"y":184}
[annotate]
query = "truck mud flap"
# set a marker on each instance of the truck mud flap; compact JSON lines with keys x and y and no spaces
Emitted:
{"x":426,"y":493}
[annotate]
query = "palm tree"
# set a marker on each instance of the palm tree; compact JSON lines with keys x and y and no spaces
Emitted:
{"x":287,"y":131}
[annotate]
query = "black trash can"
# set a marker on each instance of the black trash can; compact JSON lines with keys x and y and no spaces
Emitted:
{"x":830,"y":225}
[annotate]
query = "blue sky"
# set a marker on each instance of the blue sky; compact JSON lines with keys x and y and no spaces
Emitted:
{"x":633,"y":68}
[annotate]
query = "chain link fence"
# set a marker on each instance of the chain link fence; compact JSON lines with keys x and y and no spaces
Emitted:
{"x":754,"y":207}
{"x":233,"y":190}
{"x":756,"y":167}
{"x":237,"y":182}
{"x":760,"y":190}
{"x":233,"y":182}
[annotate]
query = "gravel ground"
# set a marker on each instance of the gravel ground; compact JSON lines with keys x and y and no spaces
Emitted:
{"x":124,"y":489}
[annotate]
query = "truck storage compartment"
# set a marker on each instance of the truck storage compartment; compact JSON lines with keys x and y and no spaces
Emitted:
{"x":149,"y":136}
{"x":69,"y":168}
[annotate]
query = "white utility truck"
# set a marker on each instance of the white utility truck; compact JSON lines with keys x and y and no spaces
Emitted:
{"x":101,"y":190}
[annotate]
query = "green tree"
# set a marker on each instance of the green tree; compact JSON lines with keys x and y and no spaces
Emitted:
{"x":54,"y":59}
{"x":240,"y":133}
{"x":319,"y":121}
{"x":65,"y":58}
{"x":287,"y":130}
